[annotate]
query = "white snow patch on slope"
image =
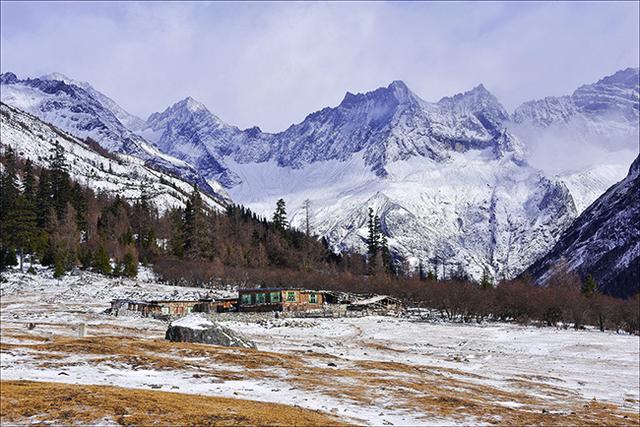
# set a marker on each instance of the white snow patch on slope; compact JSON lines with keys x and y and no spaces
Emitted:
{"x":472,"y":209}
{"x":587,"y":185}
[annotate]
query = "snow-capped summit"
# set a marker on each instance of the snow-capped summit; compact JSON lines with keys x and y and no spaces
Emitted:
{"x":77,"y":108}
{"x":193,"y":105}
{"x":130,"y":121}
{"x":120,"y":174}
{"x":8,"y":78}
{"x":395,"y":94}
{"x":607,"y":108}
{"x":480,"y":102}
{"x":575,"y":135}
{"x":190,"y":132}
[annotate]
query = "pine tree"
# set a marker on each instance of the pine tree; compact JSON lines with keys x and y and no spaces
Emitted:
{"x":485,"y":281}
{"x":386,"y":254}
{"x":29,"y":183}
{"x":9,"y":189}
{"x":44,"y":198}
{"x":373,"y":243}
{"x":20,"y":227}
{"x":60,"y":183}
{"x":129,"y":265}
{"x":80,"y":205}
{"x":176,"y":230}
{"x":101,"y":261}
{"x":590,"y":286}
{"x":280,"y":216}
{"x":196,"y":228}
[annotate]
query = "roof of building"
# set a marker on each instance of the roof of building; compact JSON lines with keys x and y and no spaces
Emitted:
{"x":375,"y":300}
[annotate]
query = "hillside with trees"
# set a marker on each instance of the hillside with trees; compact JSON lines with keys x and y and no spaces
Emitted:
{"x":45,"y":217}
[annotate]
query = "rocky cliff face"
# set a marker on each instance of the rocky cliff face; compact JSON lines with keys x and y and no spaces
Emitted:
{"x":603,"y":241}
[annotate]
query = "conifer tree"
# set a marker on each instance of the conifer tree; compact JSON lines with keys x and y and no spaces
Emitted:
{"x":44,"y":197}
{"x":373,"y":243}
{"x":20,"y":227}
{"x":79,"y":203}
{"x":101,"y":261}
{"x":196,"y":238}
{"x":306,"y":205}
{"x":280,"y":216}
{"x":485,"y":281}
{"x":29,"y":183}
{"x":9,"y":190}
{"x":589,"y":287}
{"x":129,"y":265}
{"x":60,"y":185}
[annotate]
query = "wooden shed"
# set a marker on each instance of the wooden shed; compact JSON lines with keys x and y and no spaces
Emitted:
{"x":376,"y":304}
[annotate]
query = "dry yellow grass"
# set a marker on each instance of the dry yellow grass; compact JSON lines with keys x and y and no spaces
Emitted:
{"x":435,"y":391}
{"x":26,"y":401}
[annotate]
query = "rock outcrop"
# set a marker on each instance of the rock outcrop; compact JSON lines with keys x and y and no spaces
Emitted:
{"x":199,"y":329}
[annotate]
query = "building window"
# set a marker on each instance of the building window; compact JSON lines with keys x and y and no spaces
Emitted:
{"x":291,"y":297}
{"x":246,"y":299}
{"x":260,"y":298}
{"x":313,"y":298}
{"x":275,"y":297}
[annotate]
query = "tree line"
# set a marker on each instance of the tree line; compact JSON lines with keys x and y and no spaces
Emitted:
{"x":45,"y":217}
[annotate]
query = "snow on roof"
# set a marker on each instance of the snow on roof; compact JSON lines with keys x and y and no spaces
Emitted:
{"x":193,"y":321}
{"x":373,"y":300}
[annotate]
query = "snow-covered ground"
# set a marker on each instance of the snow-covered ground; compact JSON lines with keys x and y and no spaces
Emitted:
{"x":374,"y":370}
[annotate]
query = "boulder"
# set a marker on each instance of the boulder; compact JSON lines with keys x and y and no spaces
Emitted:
{"x":197,"y":328}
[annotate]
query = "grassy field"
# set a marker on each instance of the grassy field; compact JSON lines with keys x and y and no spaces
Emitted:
{"x":27,"y":402}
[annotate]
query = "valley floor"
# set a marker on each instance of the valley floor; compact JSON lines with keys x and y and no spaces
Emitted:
{"x":369,"y":370}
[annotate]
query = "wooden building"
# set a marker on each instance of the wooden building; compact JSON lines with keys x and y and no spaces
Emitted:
{"x":379,"y":304}
{"x":279,"y":299}
{"x":175,"y":307}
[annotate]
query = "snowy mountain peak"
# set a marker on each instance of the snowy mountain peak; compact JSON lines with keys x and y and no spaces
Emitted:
{"x":8,"y":78}
{"x":60,"y":77}
{"x":401,"y":91}
{"x":397,"y":93}
{"x":624,"y":78}
{"x":192,"y":105}
{"x":474,"y":101}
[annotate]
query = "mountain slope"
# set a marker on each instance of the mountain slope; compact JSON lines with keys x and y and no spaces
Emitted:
{"x":448,"y":181}
{"x":603,"y":241}
{"x":597,"y":124}
{"x":92,"y":166}
{"x":80,"y":111}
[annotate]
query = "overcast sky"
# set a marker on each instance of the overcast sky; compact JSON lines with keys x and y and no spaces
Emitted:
{"x":271,"y":64}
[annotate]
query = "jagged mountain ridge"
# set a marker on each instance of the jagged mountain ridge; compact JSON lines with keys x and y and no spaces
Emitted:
{"x":614,"y":98}
{"x":447,"y":179}
{"x":130,"y":121}
{"x":386,"y":125}
{"x":78,"y":108}
{"x":116,"y":174}
{"x":603,"y":241}
{"x":592,"y":133}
